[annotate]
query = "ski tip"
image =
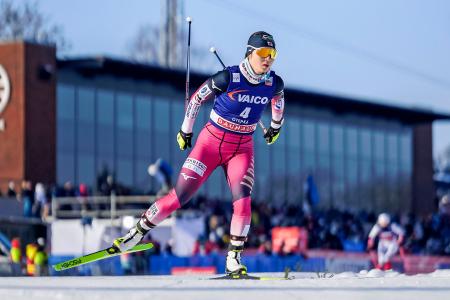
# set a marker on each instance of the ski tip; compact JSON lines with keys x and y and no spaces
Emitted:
{"x":59,"y":267}
{"x":141,"y":247}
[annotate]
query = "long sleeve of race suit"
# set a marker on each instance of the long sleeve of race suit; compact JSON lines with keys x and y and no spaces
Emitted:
{"x":277,"y":104}
{"x":212,"y":87}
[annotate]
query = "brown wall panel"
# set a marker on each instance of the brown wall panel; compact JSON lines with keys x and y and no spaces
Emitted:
{"x":40,"y":105}
{"x":12,"y":149}
{"x":27,"y":145}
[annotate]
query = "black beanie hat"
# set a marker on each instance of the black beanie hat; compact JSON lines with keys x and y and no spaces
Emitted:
{"x":259,"y":39}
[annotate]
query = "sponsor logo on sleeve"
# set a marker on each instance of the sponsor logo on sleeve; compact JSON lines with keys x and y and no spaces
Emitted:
{"x":279,"y":103}
{"x":204,"y":92}
{"x":152,"y":211}
{"x":195,"y":165}
{"x":236,"y":77}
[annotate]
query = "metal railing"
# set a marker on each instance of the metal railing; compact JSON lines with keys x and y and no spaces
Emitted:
{"x":100,"y":206}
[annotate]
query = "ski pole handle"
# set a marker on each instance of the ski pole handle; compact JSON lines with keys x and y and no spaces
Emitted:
{"x":214,"y":51}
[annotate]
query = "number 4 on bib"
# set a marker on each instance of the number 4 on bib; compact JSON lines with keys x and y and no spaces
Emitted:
{"x":244,"y":114}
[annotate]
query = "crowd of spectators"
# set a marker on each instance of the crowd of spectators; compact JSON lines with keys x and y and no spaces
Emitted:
{"x":327,"y":229}
{"x":36,"y":198}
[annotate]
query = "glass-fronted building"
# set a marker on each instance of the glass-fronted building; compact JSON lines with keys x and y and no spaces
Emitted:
{"x":79,"y":119}
{"x":120,"y":117}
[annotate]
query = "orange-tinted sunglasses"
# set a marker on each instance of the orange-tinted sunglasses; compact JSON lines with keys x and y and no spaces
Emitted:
{"x":266,"y":51}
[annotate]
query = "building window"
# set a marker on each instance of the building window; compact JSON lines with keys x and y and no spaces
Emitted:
{"x":352,"y":143}
{"x":278,"y":167}
{"x":351,"y":166}
{"x":85,"y":136}
{"x":337,"y":169}
{"x":125,"y":146}
{"x":161,"y":127}
{"x":405,"y":180}
{"x":294,"y":170}
{"x":65,"y":135}
{"x":177,"y":118}
{"x":392,"y":152}
{"x":309,"y":146}
{"x":365,"y":144}
{"x":105,"y":133}
{"x":143,"y":140}
{"x":365,"y":164}
{"x":124,"y":126}
{"x":262,"y":185}
{"x":324,"y":166}
{"x":379,"y":179}
{"x":65,"y":167}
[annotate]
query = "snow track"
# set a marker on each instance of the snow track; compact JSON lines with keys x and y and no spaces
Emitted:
{"x":365,"y":285}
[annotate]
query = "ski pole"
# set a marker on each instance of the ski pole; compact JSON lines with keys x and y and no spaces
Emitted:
{"x":188,"y":63}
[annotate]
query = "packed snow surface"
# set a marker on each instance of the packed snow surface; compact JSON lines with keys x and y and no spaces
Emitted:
{"x":371,"y":284}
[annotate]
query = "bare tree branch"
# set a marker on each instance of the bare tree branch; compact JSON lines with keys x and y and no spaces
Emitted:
{"x":26,"y":22}
{"x":144,"y":46}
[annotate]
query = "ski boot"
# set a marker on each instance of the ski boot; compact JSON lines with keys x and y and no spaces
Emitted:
{"x":131,"y":239}
{"x":234,"y":267}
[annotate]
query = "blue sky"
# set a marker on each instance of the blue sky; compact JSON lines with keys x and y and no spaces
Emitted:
{"x":389,"y":51}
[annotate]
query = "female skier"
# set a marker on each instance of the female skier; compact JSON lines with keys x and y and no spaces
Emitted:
{"x":240,"y":95}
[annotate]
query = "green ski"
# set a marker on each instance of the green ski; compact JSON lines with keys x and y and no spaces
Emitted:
{"x":99,"y":255}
